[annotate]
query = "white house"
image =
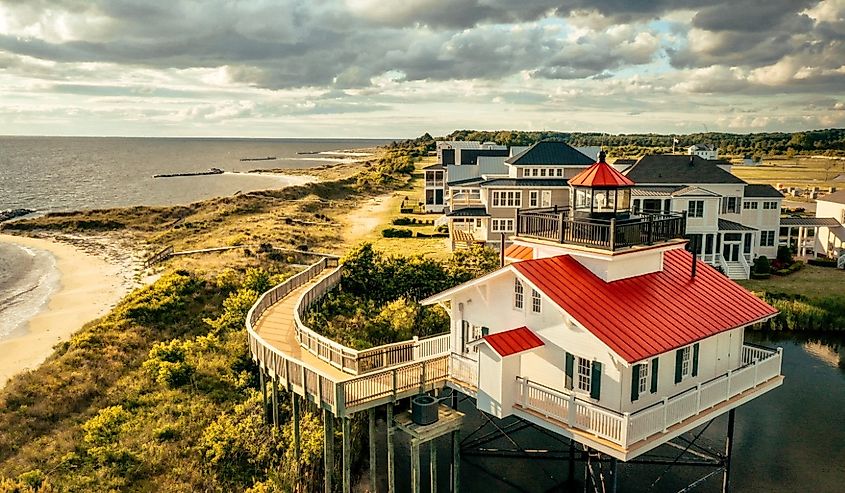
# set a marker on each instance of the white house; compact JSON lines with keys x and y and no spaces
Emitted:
{"x":483,"y":199}
{"x":831,"y":237}
{"x":729,"y":222}
{"x":606,"y":332}
{"x":453,"y":154}
{"x":704,"y":151}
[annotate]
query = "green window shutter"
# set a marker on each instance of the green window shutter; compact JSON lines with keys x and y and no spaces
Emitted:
{"x":595,"y":381}
{"x":654,"y":375}
{"x":570,"y":368}
{"x":635,"y":383}
{"x":485,"y":331}
{"x":679,"y":358}
{"x":695,"y":359}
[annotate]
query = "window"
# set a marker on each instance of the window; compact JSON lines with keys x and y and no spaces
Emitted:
{"x":753,"y":205}
{"x":643,"y":381}
{"x":535,"y":301}
{"x":507,"y":198}
{"x":518,"y":294}
{"x":547,"y":198}
{"x":696,"y":208}
{"x":730,"y":205}
{"x":636,"y":207}
{"x":535,"y":172}
{"x":585,"y":371}
{"x":767,"y":238}
{"x":542,"y":171}
{"x":686,"y":362}
{"x":770,"y":205}
{"x":559,"y":172}
{"x":533,"y":198}
{"x":502,"y":226}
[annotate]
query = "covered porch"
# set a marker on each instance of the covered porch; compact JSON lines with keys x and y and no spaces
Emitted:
{"x":467,"y":226}
{"x":807,"y":240}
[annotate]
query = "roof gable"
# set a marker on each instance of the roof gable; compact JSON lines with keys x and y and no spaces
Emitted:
{"x":643,"y":316}
{"x":679,"y":169}
{"x":550,"y":153}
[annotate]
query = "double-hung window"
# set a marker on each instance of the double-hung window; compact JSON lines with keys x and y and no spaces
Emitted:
{"x":696,"y":208}
{"x":502,"y":225}
{"x":770,"y":205}
{"x":518,"y":294}
{"x":753,"y":205}
{"x":585,"y":373}
{"x":730,"y":205}
{"x":507,"y":198}
{"x":534,"y":198}
{"x":767,"y":238}
{"x":686,"y":362}
{"x":536,"y":301}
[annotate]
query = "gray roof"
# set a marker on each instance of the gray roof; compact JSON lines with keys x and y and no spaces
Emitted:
{"x":725,"y":225}
{"x":655,"y":191}
{"x":550,"y":153}
{"x":763,"y":191}
{"x":809,"y":221}
{"x":469,"y":212}
{"x":492,"y":165}
{"x":679,"y":169}
{"x":838,"y":197}
{"x":526,"y":182}
{"x":458,"y":174}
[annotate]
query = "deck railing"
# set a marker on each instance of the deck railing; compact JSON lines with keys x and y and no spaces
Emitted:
{"x":392,"y":371}
{"x":464,"y":370}
{"x":557,"y":224}
{"x":350,"y":360}
{"x":759,"y":365}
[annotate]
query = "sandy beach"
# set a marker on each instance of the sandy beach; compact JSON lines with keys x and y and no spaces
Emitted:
{"x":89,"y":288}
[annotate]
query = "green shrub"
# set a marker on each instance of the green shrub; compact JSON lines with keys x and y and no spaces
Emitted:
{"x":784,"y":255}
{"x":762,"y":266}
{"x":822,"y":262}
{"x":166,"y":364}
{"x":401,"y":221}
{"x":397,"y":233}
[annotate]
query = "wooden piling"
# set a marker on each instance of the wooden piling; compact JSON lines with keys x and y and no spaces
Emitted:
{"x":433,"y":465}
{"x":415,"y":466}
{"x":391,"y":466}
{"x":264,"y":395}
{"x":276,"y":403}
{"x":347,"y":455}
{"x":456,"y":462}
{"x":372,"y":439}
{"x":328,"y":449}
{"x":729,"y":442}
{"x":295,"y":412}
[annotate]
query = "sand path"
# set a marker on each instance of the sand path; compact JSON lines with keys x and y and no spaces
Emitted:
{"x":366,"y":220}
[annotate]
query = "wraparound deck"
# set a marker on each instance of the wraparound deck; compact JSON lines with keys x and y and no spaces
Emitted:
{"x":335,"y":377}
{"x":627,"y":435}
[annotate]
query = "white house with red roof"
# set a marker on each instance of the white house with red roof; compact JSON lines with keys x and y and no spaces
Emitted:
{"x":603,"y":329}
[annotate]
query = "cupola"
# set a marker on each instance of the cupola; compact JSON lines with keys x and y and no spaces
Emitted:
{"x":601,"y":192}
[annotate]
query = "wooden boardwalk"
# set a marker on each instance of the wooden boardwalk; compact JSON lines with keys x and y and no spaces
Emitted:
{"x":277,"y":327}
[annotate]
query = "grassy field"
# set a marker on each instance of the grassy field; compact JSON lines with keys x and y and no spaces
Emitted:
{"x":811,"y":281}
{"x":797,"y":172}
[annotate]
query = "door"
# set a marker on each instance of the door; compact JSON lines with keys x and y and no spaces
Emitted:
{"x":547,"y":198}
{"x":724,"y":346}
{"x":730,"y":252}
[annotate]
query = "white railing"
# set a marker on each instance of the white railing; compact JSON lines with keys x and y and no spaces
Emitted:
{"x":464,"y":370}
{"x":759,"y":366}
{"x":343,"y":396}
{"x":353,"y":361}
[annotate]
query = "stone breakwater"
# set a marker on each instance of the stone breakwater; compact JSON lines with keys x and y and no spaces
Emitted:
{"x":14,"y":213}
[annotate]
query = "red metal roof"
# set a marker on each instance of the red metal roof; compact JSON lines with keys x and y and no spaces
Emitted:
{"x":519,"y":252}
{"x":600,"y":174}
{"x":647,"y":315}
{"x":513,"y":341}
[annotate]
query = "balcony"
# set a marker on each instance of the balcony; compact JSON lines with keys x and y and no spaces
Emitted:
{"x":557,"y":224}
{"x":625,"y":435}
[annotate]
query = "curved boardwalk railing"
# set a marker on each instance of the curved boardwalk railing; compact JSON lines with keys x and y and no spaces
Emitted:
{"x":384,"y":373}
{"x":353,"y":361}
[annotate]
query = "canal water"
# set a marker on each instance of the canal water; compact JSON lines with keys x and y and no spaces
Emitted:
{"x":791,"y":439}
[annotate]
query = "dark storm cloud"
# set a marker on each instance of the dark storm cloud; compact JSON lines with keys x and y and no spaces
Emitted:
{"x":299,"y":43}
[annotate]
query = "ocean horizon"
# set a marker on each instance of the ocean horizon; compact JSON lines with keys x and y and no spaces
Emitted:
{"x":50,"y":174}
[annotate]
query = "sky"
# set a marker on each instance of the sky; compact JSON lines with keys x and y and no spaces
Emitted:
{"x":395,"y":69}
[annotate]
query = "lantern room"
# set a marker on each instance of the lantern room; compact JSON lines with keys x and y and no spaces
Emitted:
{"x":601,"y":192}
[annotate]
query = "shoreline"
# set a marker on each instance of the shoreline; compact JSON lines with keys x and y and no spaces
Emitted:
{"x":89,"y":287}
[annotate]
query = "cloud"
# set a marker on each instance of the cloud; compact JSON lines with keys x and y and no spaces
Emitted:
{"x":423,"y":59}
